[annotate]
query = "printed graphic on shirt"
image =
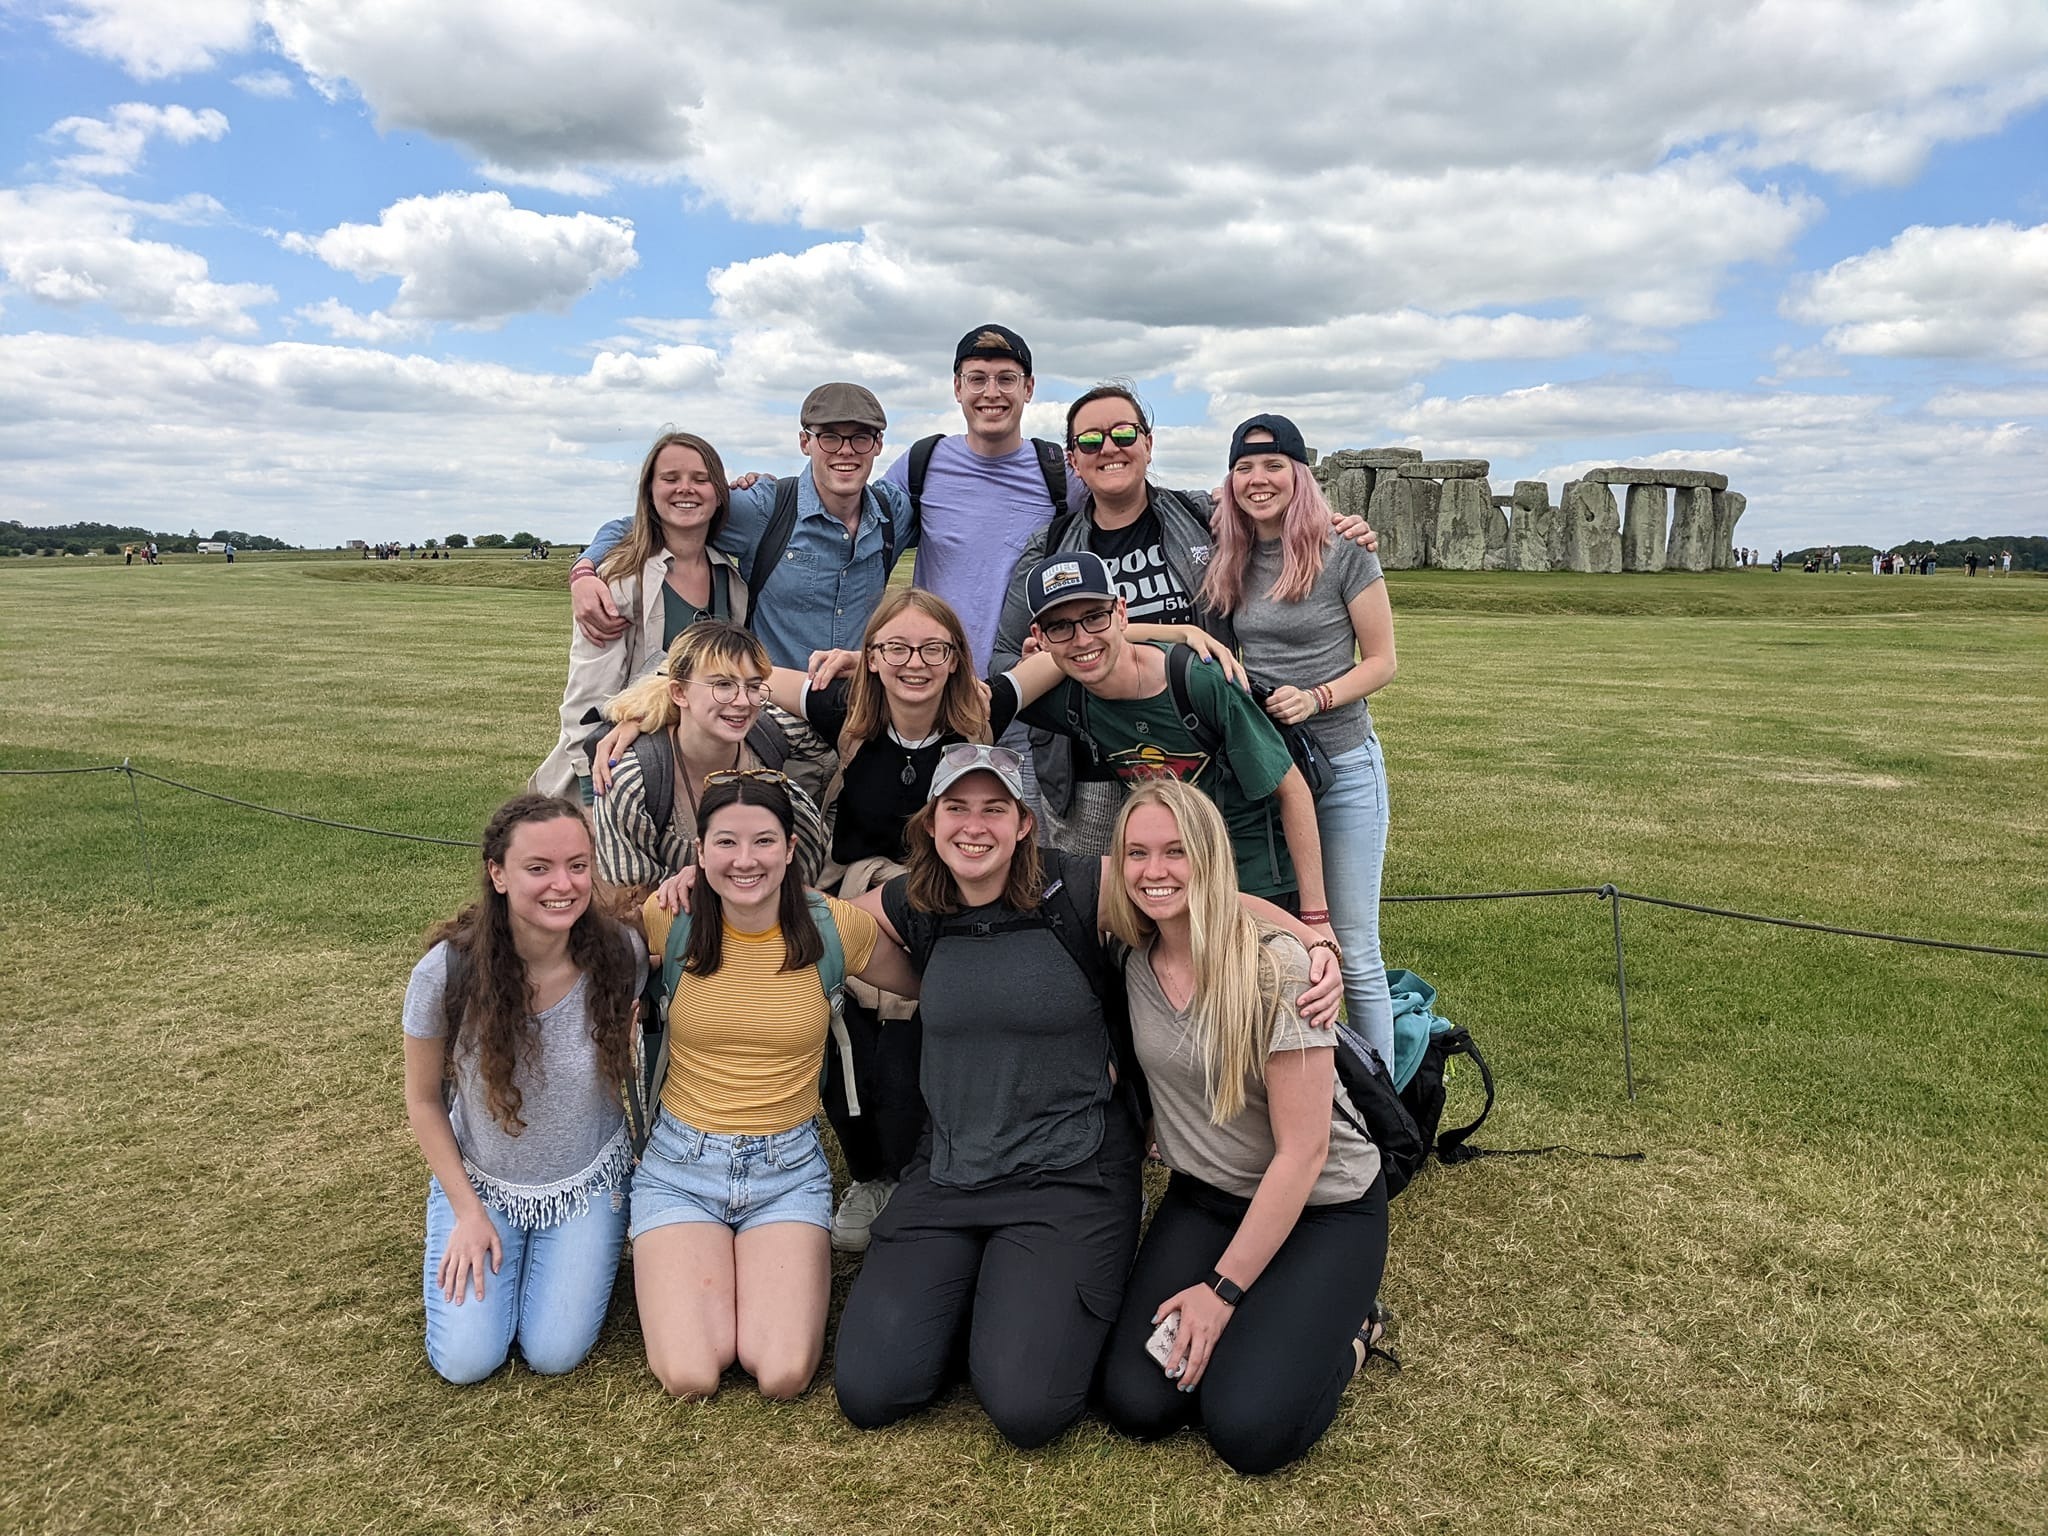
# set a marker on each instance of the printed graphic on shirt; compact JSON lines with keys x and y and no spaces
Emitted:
{"x":1137,"y":565}
{"x":1149,"y":760}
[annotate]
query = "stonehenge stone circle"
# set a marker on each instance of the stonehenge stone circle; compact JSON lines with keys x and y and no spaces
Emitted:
{"x":1642,"y":529}
{"x":1592,"y":528}
{"x":1442,"y":512}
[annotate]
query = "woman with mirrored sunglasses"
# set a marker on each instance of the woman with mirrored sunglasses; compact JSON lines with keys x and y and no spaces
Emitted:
{"x":1016,"y":1219}
{"x":701,"y":712}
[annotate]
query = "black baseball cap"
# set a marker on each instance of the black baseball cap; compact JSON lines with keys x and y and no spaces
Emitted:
{"x":993,"y":341}
{"x":1062,"y":578}
{"x":1287,"y":439}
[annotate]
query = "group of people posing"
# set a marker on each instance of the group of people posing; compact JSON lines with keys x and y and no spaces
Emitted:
{"x":1066,"y":852}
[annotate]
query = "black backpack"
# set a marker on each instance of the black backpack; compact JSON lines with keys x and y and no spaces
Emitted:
{"x":775,"y":540}
{"x":1403,"y":1123}
{"x":1075,"y":930}
{"x":1052,"y":464}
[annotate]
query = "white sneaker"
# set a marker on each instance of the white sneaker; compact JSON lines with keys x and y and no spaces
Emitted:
{"x":857,"y":1212}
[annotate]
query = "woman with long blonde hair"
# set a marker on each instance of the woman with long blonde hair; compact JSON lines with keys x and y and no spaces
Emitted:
{"x":663,"y":577}
{"x":1267,"y":1250}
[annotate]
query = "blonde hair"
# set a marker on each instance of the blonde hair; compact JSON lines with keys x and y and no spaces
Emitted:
{"x":1237,"y":982}
{"x":706,"y":644}
{"x":644,"y":537}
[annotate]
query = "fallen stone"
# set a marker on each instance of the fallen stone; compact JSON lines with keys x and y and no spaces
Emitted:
{"x":1675,"y":478}
{"x":1692,"y":530}
{"x":1529,"y":529}
{"x":1642,"y":529}
{"x":1446,"y":469}
{"x":1728,"y":509}
{"x":1393,"y":516}
{"x":1461,"y":512}
{"x":1592,"y":529}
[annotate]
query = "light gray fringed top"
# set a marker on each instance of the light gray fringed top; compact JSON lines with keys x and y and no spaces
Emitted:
{"x":574,"y":1145}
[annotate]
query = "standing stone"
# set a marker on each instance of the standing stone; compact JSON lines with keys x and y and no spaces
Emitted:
{"x":1462,"y":511}
{"x":1592,"y":528}
{"x":1556,"y":529}
{"x":1642,"y":534}
{"x":1393,"y":516}
{"x":1496,"y":556}
{"x":1425,"y":496}
{"x":1692,"y":530}
{"x":1728,"y":509}
{"x":1351,"y":495}
{"x":1529,"y":533}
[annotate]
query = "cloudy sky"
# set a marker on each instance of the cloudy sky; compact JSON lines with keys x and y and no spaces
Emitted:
{"x":380,"y":268}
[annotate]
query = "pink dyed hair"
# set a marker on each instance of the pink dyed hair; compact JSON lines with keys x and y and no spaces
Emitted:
{"x":1304,"y":538}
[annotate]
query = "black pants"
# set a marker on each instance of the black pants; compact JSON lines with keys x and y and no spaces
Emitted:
{"x":1031,"y":1270}
{"x":880,"y":1141}
{"x":1279,"y":1368}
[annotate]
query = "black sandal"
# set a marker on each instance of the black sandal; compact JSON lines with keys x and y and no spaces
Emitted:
{"x":1371,"y":1338}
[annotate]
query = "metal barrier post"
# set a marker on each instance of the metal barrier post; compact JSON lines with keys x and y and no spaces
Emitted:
{"x":1628,"y":1073}
{"x":141,"y":836}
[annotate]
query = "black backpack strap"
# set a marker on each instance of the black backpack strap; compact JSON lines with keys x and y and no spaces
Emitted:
{"x":1052,"y":463}
{"x":888,"y":532}
{"x":774,"y":539}
{"x":1178,"y":659}
{"x":655,"y":752}
{"x":767,"y":742}
{"x":721,"y":590}
{"x":920,"y":463}
{"x":1450,"y":1145}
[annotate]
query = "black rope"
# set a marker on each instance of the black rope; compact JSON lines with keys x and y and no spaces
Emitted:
{"x":1562,"y":890}
{"x":318,"y":821}
{"x":38,"y":773}
{"x":1854,"y":933}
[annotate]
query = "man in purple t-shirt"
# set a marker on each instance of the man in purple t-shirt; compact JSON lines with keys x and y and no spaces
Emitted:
{"x":986,"y":491}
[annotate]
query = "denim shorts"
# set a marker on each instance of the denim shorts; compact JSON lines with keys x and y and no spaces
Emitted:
{"x":741,"y":1182}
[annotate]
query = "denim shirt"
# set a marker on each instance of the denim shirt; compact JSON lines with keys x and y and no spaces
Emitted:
{"x":827,"y":583}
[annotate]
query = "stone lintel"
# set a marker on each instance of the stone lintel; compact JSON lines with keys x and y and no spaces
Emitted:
{"x":1444,"y":469}
{"x":1677,"y":479}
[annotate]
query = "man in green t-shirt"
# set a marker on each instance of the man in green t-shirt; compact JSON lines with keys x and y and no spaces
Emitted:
{"x":1115,"y":695}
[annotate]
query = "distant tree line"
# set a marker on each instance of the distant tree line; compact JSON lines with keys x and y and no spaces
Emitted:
{"x":2028,"y":553}
{"x":108,"y":539}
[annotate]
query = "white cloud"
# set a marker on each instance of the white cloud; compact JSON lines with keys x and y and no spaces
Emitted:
{"x":153,"y":38}
{"x":1978,"y":291}
{"x":475,"y":259}
{"x":76,"y":246}
{"x":339,"y":320}
{"x":115,"y":144}
{"x":267,"y":83}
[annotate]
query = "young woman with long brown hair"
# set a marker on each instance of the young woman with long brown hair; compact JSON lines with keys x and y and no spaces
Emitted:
{"x":518,"y":1024}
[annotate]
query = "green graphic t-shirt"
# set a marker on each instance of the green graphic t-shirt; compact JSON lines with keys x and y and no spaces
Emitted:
{"x":1145,"y":739}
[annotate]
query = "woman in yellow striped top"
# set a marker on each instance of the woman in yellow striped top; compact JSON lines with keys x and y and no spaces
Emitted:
{"x":732,"y":1203}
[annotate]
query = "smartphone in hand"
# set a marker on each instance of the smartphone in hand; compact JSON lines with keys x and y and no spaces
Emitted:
{"x":1160,"y":1345}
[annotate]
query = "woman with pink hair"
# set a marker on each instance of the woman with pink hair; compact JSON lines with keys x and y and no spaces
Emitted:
{"x":1313,"y":626}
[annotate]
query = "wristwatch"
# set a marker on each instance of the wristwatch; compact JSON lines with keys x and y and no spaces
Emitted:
{"x":1229,"y":1290}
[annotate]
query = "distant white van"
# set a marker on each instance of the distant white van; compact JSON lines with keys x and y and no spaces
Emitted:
{"x":213,"y":546}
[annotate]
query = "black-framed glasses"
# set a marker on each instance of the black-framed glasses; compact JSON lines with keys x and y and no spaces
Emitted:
{"x":934,"y":653}
{"x":1123,"y":434}
{"x":726,"y":689}
{"x":859,"y":442}
{"x":1007,"y":381}
{"x":1059,"y":631}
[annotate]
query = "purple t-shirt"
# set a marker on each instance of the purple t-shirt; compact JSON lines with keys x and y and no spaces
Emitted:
{"x":978,"y":515}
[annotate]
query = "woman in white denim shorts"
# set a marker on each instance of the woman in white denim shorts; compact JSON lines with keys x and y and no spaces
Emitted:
{"x":732,"y":1202}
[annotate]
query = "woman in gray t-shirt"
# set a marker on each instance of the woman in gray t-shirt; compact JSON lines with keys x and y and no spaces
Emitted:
{"x":1312,"y":622}
{"x":1265,"y":1258}
{"x":518,"y":1027}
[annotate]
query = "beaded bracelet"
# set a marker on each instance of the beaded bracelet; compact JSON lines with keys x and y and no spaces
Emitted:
{"x":1331,"y":945}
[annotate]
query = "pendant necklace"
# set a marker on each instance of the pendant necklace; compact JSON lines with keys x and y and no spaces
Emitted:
{"x":908,"y":776}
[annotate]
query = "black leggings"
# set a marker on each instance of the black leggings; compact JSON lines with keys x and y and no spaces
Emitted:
{"x":880,"y":1141}
{"x":1031,"y":1270}
{"x":1279,"y":1368}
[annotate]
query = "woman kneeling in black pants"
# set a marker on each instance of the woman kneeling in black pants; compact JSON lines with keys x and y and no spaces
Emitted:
{"x":1270,"y":1242}
{"x":1013,"y":1227}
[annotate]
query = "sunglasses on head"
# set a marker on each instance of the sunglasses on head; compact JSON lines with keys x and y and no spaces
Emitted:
{"x":1123,"y":434}
{"x":737,"y":775}
{"x":975,"y":754}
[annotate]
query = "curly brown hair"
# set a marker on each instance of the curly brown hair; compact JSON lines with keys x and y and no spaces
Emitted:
{"x":491,"y":1013}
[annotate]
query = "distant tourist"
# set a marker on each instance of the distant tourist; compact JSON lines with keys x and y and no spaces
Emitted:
{"x":518,"y":1024}
{"x":1970,"y":563}
{"x":2005,"y":563}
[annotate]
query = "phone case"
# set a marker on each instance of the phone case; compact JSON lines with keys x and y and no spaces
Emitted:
{"x":1160,"y":1345}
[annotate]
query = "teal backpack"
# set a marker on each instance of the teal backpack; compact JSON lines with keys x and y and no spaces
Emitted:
{"x":650,"y":1061}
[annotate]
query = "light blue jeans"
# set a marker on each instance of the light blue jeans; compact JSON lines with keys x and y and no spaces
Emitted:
{"x":550,"y":1292}
{"x":1351,"y":819}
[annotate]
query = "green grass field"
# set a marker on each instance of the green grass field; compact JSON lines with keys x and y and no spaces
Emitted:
{"x":1819,"y":1304}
